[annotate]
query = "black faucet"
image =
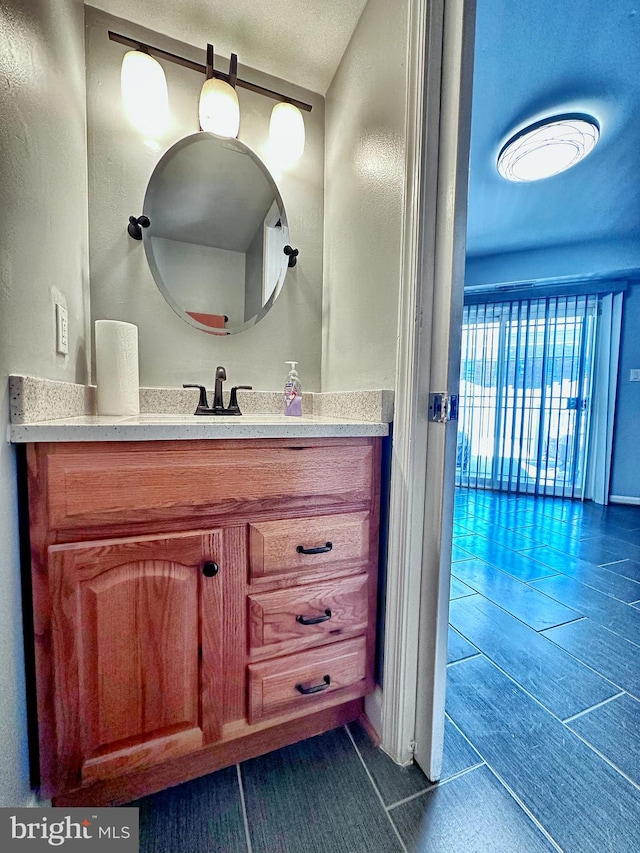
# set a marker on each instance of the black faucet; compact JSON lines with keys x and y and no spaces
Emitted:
{"x":218,"y":403}
{"x":221,"y":375}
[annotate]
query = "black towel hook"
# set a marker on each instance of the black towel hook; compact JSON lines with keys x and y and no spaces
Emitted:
{"x":136,"y":224}
{"x":293,"y":255}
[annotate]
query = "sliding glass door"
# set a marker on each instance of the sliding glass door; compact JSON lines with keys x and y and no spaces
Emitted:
{"x":525,"y":391}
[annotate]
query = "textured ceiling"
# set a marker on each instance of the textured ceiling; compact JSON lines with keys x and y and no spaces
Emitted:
{"x":534,"y":59}
{"x":297,"y":40}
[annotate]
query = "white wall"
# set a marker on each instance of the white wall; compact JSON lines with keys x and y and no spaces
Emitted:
{"x":600,"y":258}
{"x":120,"y":164}
{"x":625,"y":468}
{"x":43,"y":220}
{"x":364,"y":191}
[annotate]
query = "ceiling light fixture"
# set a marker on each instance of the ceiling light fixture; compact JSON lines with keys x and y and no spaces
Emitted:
{"x":219,"y":110}
{"x":548,"y":147}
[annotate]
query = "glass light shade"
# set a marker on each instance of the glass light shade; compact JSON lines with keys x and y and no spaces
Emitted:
{"x":286,"y":132}
{"x":144,"y":92}
{"x":548,"y":147}
{"x":219,"y":108}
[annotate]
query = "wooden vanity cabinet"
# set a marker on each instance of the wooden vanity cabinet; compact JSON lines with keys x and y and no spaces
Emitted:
{"x":196,"y":603}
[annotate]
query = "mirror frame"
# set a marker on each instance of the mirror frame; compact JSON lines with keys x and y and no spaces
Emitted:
{"x":242,"y":148}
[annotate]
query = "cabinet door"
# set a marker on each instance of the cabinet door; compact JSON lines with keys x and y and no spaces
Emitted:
{"x":136,"y":665}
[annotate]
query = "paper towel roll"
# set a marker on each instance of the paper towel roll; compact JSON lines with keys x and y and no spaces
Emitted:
{"x":117,"y":368}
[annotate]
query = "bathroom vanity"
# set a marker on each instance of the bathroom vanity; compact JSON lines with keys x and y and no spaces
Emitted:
{"x":197,"y":602}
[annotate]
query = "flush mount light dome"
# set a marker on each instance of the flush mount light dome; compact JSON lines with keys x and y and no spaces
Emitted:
{"x":548,"y":147}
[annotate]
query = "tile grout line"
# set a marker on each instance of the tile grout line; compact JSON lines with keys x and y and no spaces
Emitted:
{"x":435,"y":785}
{"x":606,"y":760}
{"x":604,"y":628}
{"x":511,"y":793}
{"x":530,"y":695}
{"x":593,"y":708}
{"x":528,"y":585}
{"x":459,"y":660}
{"x":377,"y":792}
{"x":462,"y":660}
{"x":415,"y":796}
{"x":541,"y":633}
{"x":584,"y":583}
{"x":560,"y":624}
{"x":245,"y":816}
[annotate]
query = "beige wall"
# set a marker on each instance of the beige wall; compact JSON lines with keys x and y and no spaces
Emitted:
{"x":43,"y":221}
{"x":364,"y":169}
{"x":120,"y":164}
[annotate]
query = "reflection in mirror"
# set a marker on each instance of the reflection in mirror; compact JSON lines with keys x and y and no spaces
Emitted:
{"x":217,"y":232}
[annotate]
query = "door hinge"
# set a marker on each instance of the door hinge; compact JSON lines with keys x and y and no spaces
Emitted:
{"x":443,"y":408}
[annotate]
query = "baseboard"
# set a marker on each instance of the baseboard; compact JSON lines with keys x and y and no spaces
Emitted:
{"x":624,"y":499}
{"x":373,"y":709}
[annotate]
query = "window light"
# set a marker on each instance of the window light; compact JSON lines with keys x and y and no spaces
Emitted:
{"x":548,"y":147}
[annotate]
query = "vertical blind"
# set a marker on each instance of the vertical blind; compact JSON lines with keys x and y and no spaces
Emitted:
{"x":525,"y":392}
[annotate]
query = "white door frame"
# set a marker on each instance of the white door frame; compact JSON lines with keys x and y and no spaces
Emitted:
{"x":440,"y":59}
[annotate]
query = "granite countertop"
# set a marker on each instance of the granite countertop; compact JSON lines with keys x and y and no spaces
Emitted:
{"x":46,"y":410}
{"x":157,"y":427}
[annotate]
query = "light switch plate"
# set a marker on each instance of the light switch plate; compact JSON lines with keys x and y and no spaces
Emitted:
{"x":634,"y":375}
{"x":62,"y":329}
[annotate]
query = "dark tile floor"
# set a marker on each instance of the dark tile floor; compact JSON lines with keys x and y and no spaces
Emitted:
{"x":542,"y":735}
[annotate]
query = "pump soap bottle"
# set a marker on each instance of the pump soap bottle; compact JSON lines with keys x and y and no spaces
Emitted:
{"x":293,"y":392}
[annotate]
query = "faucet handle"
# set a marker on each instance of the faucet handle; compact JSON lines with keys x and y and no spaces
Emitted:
{"x":234,"y":408}
{"x":203,"y":405}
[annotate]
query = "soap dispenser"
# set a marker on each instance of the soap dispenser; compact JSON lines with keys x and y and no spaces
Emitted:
{"x":292,"y":392}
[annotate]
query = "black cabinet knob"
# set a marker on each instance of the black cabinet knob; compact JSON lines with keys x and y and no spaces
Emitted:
{"x":210,"y":569}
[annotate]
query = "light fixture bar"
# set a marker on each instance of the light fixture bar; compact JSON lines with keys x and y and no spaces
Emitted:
{"x":202,"y":69}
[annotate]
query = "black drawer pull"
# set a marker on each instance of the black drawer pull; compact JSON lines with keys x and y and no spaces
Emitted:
{"x":317,"y":688}
{"x":210,"y":569}
{"x":314,"y":620}
{"x":321,"y":550}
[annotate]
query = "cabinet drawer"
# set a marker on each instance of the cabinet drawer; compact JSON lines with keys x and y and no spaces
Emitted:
{"x":298,"y":617}
{"x":89,"y":485}
{"x":307,"y":681}
{"x":303,"y":544}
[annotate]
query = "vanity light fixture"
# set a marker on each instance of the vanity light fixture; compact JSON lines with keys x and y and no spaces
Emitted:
{"x":548,"y":147}
{"x":286,"y":132}
{"x":219,"y":109}
{"x":144,"y":92}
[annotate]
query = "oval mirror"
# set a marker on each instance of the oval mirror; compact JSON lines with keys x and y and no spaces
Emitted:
{"x":217,"y":232}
